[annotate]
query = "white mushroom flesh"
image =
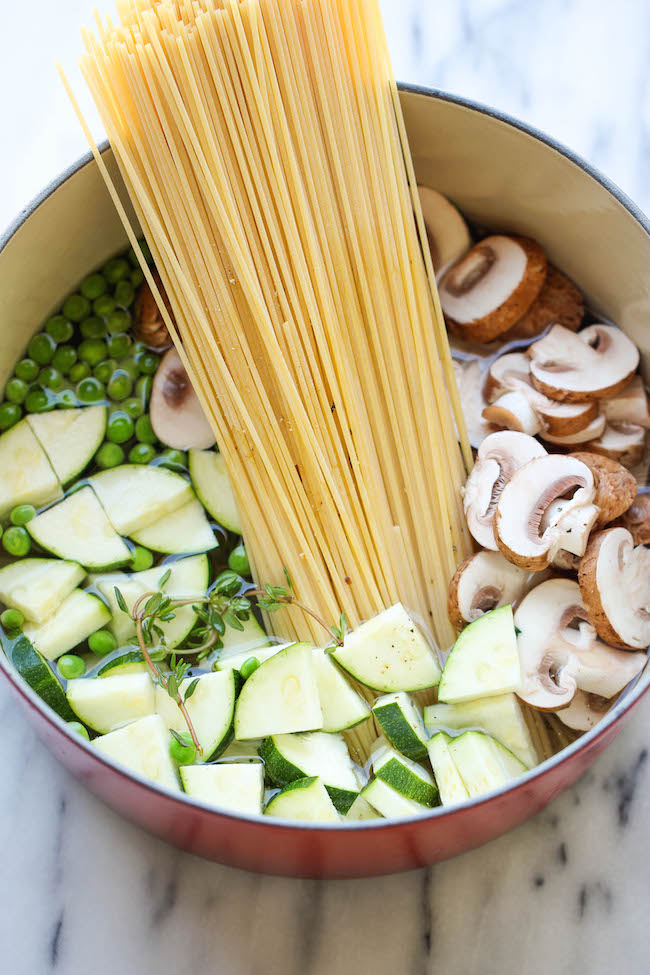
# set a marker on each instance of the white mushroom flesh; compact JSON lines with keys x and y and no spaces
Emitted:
{"x":514,"y":412}
{"x":484,"y":582}
{"x":592,"y":364}
{"x":574,"y":522}
{"x":630,"y":406}
{"x":585,"y":711}
{"x":470,"y":380}
{"x":622,"y":442}
{"x":591,"y":431}
{"x":176,"y":414}
{"x":623,"y":582}
{"x":483,"y":280}
{"x":449,"y":237}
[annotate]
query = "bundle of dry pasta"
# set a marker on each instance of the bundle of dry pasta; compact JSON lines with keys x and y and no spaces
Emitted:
{"x":264,"y":151}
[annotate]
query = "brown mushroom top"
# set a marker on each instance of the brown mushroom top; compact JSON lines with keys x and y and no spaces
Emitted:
{"x":637,"y":520}
{"x":560,"y":300}
{"x":614,"y":579}
{"x":595,"y":363}
{"x":149,"y":326}
{"x":615,"y":486}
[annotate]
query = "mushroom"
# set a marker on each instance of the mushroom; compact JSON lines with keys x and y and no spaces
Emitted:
{"x":559,"y":301}
{"x":592,"y":430}
{"x":630,"y":406}
{"x":614,"y":581}
{"x":481,"y":583}
{"x":469,"y":379}
{"x":511,"y":373}
{"x":637,"y":520}
{"x":149,"y":326}
{"x":624,"y":442}
{"x":559,"y":650}
{"x":513,"y":411}
{"x":176,"y":414}
{"x":447,"y":231}
{"x":584,"y":711}
{"x":546,"y":505}
{"x":596,"y":363}
{"x":615,"y":486}
{"x":565,"y":561}
{"x":499,"y":456}
{"x":492,"y":286}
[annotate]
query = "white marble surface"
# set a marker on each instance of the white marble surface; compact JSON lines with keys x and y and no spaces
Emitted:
{"x":83,"y":892}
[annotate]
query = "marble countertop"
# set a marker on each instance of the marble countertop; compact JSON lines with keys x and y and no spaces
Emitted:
{"x":84,"y":892}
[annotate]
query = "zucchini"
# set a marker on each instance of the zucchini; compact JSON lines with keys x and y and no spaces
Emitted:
{"x":79,"y":615}
{"x":108,"y":704}
{"x":280,"y":697}
{"x":143,"y":748}
{"x":483,"y":763}
{"x":211,"y":708}
{"x":407,"y":778}
{"x":121,"y":624}
{"x":342,"y":707}
{"x":27,"y":475}
{"x":243,"y":751}
{"x":131,"y":662}
{"x":360,"y":810}
{"x":501,"y":717}
{"x":483,"y":661}
{"x":291,"y":757}
{"x":389,"y":653}
{"x":185,"y":530}
{"x":235,"y":660}
{"x":448,"y":779}
{"x":134,"y":496}
{"x":35,"y":670}
{"x":306,"y":800}
{"x":213,"y":488}
{"x":70,"y":438}
{"x":237,"y":787}
{"x":37,"y":587}
{"x":241,"y":643}
{"x":77,"y":529}
{"x":401,"y":722}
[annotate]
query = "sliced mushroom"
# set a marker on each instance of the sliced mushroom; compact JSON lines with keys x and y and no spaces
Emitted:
{"x":470,"y":381}
{"x":615,"y":486}
{"x":149,"y":326}
{"x":559,"y":301}
{"x":447,"y":231}
{"x":513,"y":411}
{"x":622,"y":442}
{"x":566,"y":561}
{"x":176,"y":414}
{"x":511,"y":373}
{"x":637,"y":520}
{"x":481,"y":583}
{"x":528,"y":531}
{"x":595,"y":363}
{"x":630,"y":406}
{"x":585,"y":711}
{"x":614,"y":581}
{"x":489,"y":289}
{"x":499,"y":456}
{"x":594,"y":429}
{"x":560,"y":651}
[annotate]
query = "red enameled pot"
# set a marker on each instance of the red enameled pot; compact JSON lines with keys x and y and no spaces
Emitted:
{"x":501,"y":174}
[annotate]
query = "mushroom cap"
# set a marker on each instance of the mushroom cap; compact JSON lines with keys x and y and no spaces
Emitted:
{"x":470,"y":382}
{"x":630,"y":406}
{"x":622,"y":442}
{"x":585,"y":711}
{"x":565,"y":561}
{"x":176,"y":414}
{"x":483,"y":582}
{"x":448,"y":234}
{"x":513,"y":411}
{"x":492,"y":286}
{"x":499,"y":456}
{"x":593,"y":429}
{"x":595,"y":363}
{"x":560,"y":300}
{"x":149,"y":326}
{"x":637,"y":520}
{"x":615,"y":486}
{"x":519,"y":528}
{"x":614,"y":581}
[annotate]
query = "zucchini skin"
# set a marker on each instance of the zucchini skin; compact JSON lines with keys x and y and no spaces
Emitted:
{"x":31,"y":665}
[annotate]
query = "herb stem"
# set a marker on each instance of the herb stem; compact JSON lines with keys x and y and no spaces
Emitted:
{"x":291,"y":600}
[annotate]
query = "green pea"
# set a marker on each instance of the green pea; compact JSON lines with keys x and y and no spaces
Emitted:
{"x":12,"y":619}
{"x":249,"y":667}
{"x":147,"y":363}
{"x":93,"y":328}
{"x":22,"y":513}
{"x":71,"y":666}
{"x":76,"y":307}
{"x":120,"y":428}
{"x":118,"y":321}
{"x":109,"y":455}
{"x":238,"y":561}
{"x":67,"y":399}
{"x":103,"y":306}
{"x":142,"y":453}
{"x":141,"y":559}
{"x":175,"y":460}
{"x":60,"y":329}
{"x":144,"y":430}
{"x":185,"y":753}
{"x":102,"y":642}
{"x":143,"y":388}
{"x":119,"y":345}
{"x":92,"y":351}
{"x":41,"y":348}
{"x":104,"y":370}
{"x":137,"y":277}
{"x":64,"y":358}
{"x":16,"y":541}
{"x":50,"y":378}
{"x":116,"y":269}
{"x":27,"y":369}
{"x":16,"y":390}
{"x":124,"y":293}
{"x":120,"y":385}
{"x":39,"y":401}
{"x":90,"y":390}
{"x":130,"y":368}
{"x":10,"y":413}
{"x":78,"y":728}
{"x":94,"y":286}
{"x":80,"y":370}
{"x":132,"y":407}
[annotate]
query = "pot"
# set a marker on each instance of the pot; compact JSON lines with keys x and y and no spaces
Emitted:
{"x":501,"y":174}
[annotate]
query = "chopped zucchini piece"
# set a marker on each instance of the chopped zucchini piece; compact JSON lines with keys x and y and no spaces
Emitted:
{"x":79,"y":615}
{"x":342,"y":707}
{"x":184,"y":530}
{"x":280,"y":697}
{"x":107,"y":704}
{"x":483,"y":763}
{"x":448,"y":779}
{"x":306,"y":800}
{"x":211,"y":708}
{"x":77,"y":529}
{"x":404,"y":776}
{"x":27,"y":475}
{"x":134,"y":496}
{"x":291,"y":757}
{"x":361,"y":809}
{"x":483,"y":661}
{"x":237,"y":787}
{"x":70,"y":438}
{"x":36,"y":671}
{"x":143,"y":748}
{"x":501,"y":717}
{"x":37,"y":587}
{"x":401,"y":722}
{"x":214,"y":490}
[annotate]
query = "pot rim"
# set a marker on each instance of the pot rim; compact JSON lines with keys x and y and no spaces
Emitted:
{"x":629,"y":698}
